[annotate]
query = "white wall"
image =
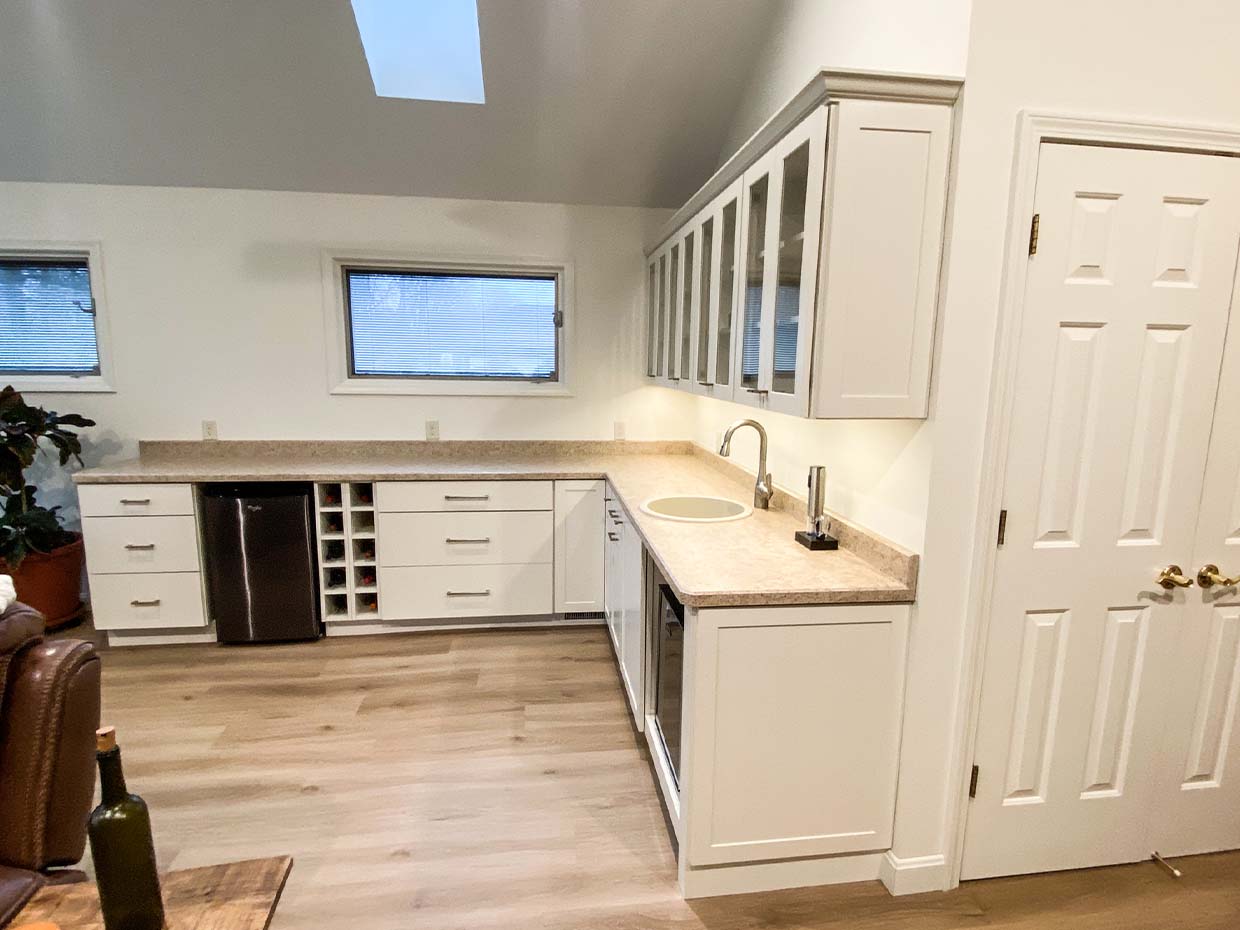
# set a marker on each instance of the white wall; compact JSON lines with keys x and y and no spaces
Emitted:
{"x":910,"y":36}
{"x":1169,"y":60}
{"x":216,"y":303}
{"x":877,"y":471}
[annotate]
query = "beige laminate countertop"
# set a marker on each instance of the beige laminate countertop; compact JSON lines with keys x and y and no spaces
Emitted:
{"x":754,"y":561}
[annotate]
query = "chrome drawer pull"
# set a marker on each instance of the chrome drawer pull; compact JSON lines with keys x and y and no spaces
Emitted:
{"x":484,"y":539}
{"x":486,"y":593}
{"x":613,"y":513}
{"x":135,"y":500}
{"x":613,"y":537}
{"x":139,"y":546}
{"x":154,"y":603}
{"x":467,"y":497}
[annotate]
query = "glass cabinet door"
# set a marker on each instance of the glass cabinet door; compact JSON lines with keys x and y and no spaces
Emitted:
{"x":686,"y":307}
{"x":706,"y":266}
{"x":730,"y":240}
{"x":673,"y":289}
{"x":662,"y":321}
{"x":781,"y":231}
{"x":757,"y":194}
{"x":652,"y":314}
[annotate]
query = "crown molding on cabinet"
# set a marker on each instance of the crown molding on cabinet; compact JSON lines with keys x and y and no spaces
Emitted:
{"x":825,"y":86}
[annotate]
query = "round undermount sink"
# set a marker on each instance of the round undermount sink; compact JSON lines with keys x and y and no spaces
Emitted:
{"x":691,"y":509}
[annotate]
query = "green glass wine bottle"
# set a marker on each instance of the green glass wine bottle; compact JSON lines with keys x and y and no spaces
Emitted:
{"x":122,"y":848}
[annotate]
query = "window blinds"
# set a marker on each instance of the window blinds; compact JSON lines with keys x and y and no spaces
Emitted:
{"x":429,"y":324}
{"x":47,"y":321}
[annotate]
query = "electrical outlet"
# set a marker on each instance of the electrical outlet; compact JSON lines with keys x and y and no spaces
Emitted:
{"x":210,"y":429}
{"x":618,"y":429}
{"x":432,"y":429}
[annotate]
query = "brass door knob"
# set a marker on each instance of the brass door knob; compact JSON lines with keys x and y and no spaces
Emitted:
{"x":1209,"y":576}
{"x":1173,"y":577}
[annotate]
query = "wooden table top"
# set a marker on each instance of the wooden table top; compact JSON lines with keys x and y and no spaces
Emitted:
{"x":231,"y":896}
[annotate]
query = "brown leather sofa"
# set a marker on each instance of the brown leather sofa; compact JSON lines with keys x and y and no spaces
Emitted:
{"x":49,"y":711}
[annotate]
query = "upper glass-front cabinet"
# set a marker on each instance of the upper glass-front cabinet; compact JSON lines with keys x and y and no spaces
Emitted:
{"x":807,"y":283}
{"x":782,"y":217}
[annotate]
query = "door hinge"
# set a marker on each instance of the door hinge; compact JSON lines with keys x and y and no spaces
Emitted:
{"x":973,"y":782}
{"x":1033,"y":233}
{"x":1002,"y":527}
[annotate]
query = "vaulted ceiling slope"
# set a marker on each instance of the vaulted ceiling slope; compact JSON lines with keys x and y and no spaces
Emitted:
{"x":587,"y":101}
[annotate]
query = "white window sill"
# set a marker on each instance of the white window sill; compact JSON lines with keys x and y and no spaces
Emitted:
{"x":57,"y":384}
{"x":402,"y":386}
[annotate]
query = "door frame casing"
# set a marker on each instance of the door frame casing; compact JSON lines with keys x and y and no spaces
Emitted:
{"x":1033,"y":128}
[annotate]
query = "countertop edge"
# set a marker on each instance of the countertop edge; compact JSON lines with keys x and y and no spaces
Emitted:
{"x":903,"y":590}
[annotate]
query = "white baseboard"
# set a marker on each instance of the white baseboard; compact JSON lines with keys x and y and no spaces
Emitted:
{"x":158,"y":638}
{"x":373,"y":627}
{"x":712,"y":881}
{"x":914,"y":875}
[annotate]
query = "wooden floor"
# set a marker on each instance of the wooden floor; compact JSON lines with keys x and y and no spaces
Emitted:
{"x":493,"y":780}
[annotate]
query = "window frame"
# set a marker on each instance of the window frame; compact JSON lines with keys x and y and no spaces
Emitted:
{"x":338,"y":330}
{"x":60,"y":250}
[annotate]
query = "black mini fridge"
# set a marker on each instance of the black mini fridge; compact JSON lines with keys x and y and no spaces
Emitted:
{"x":258,"y":549}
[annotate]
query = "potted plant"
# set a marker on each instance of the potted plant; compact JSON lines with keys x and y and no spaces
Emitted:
{"x":43,"y":557}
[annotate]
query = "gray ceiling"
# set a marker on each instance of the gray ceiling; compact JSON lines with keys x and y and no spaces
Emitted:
{"x":588,"y":101}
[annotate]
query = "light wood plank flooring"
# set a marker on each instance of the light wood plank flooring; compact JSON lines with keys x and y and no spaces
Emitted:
{"x":493,"y":780}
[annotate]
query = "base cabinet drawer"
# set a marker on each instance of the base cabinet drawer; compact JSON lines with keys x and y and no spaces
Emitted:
{"x":147,"y":601}
{"x":396,"y":496}
{"x":522,"y":537}
{"x":135,"y":500}
{"x":125,"y":545}
{"x":418,"y":593}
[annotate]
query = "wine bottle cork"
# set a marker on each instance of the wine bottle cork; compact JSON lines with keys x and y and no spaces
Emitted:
{"x":105,"y":739}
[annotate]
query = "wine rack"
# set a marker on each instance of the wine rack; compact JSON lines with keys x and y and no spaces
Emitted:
{"x":348,"y":550}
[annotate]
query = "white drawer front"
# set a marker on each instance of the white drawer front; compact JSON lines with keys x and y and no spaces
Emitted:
{"x":398,"y":496}
{"x":116,"y":545}
{"x":520,"y":537}
{"x":135,"y":500}
{"x":465,"y":591}
{"x":147,"y":601}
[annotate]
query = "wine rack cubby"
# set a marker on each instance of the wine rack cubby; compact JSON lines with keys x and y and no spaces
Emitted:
{"x":348,"y":550}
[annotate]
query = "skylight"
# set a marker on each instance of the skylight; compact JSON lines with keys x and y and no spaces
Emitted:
{"x":422,"y":49}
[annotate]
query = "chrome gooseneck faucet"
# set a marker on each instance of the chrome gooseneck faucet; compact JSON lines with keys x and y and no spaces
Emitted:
{"x":762,"y":487}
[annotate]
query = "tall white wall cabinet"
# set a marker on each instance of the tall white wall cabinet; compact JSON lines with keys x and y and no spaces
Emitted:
{"x":803,"y":277}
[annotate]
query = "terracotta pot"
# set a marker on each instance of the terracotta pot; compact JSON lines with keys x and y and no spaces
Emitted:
{"x":51,"y":583}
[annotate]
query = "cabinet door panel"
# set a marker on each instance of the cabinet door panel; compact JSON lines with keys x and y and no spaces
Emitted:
{"x":687,"y":275}
{"x":725,"y":310}
{"x":652,"y":315}
{"x":673,"y":316}
{"x":793,"y":722}
{"x":753,"y":284}
{"x":579,"y":553}
{"x":660,"y":349}
{"x":884,"y":220}
{"x":707,"y":297}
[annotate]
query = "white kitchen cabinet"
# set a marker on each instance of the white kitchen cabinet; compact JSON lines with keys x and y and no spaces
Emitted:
{"x":612,"y":586}
{"x":791,"y":731}
{"x":142,"y":556}
{"x":875,"y":325}
{"x":630,"y":556}
{"x":832,"y":277}
{"x":579,"y":556}
{"x":623,"y":603}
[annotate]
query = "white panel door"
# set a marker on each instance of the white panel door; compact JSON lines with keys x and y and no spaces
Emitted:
{"x":1198,"y":808}
{"x":579,"y":555}
{"x":1125,"y":312}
